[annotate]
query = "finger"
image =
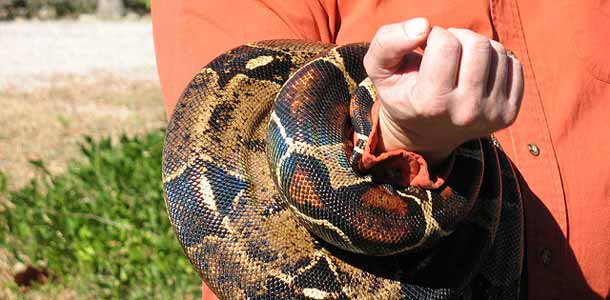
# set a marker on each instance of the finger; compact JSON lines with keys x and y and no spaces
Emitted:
{"x":498,"y":72}
{"x":391,"y":44}
{"x":474,"y":65}
{"x":515,"y":87}
{"x":440,"y":63}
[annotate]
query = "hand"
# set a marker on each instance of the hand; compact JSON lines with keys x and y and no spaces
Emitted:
{"x":465,"y":86}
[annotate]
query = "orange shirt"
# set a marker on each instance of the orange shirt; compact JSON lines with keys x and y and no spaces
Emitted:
{"x":560,"y":141}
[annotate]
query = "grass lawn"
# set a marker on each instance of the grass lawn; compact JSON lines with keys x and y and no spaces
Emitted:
{"x":101,"y":227}
{"x":80,"y":198}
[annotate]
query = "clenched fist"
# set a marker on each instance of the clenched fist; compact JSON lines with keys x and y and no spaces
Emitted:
{"x":464,"y":86}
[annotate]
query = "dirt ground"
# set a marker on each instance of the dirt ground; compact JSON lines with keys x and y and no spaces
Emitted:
{"x":48,"y":123}
{"x":60,"y":80}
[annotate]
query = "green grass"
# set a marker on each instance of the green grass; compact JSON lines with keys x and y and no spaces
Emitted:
{"x":101,"y":227}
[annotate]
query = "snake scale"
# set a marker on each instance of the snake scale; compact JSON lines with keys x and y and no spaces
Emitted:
{"x":262,"y":193}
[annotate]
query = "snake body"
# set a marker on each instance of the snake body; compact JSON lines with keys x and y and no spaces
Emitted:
{"x":260,"y":186}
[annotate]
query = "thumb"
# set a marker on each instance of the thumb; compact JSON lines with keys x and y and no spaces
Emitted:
{"x":391,"y":44}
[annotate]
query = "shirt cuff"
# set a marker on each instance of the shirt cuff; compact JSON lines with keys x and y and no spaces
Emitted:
{"x":400,"y":166}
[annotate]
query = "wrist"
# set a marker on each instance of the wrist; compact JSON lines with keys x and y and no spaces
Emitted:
{"x":393,"y":137}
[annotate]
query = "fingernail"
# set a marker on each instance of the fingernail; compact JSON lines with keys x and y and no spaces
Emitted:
{"x":416,"y":27}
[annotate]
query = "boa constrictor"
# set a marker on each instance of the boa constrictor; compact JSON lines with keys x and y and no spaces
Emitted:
{"x":261,"y":191}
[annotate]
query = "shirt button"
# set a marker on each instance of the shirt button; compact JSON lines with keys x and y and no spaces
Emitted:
{"x":545,"y":256}
{"x":533,"y":148}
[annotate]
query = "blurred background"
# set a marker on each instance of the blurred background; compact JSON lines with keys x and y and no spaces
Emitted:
{"x":81,"y":131}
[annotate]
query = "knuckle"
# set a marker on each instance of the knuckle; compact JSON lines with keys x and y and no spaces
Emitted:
{"x":499,"y":47}
{"x":469,"y":99}
{"x":518,"y":67}
{"x":381,"y":38}
{"x":466,"y":118}
{"x":478,"y":43}
{"x":445,"y":40}
{"x":383,"y":33}
{"x":467,"y":112}
{"x":509,"y":120}
{"x":509,"y":117}
{"x":376,"y":44}
{"x":499,"y":117}
{"x":419,"y":109}
{"x":516,"y":71}
{"x":449,"y":43}
{"x":514,"y":59}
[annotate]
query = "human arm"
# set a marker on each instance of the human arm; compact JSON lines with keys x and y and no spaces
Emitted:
{"x":463,"y":87}
{"x":188,"y":51}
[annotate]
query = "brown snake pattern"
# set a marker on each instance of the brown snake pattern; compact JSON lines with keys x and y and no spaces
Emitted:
{"x":266,"y":205}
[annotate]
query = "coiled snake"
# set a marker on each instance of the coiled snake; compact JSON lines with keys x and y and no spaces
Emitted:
{"x":261,"y":190}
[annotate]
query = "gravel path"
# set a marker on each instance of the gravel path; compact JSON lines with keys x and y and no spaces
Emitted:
{"x":60,"y":80}
{"x":35,"y":54}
